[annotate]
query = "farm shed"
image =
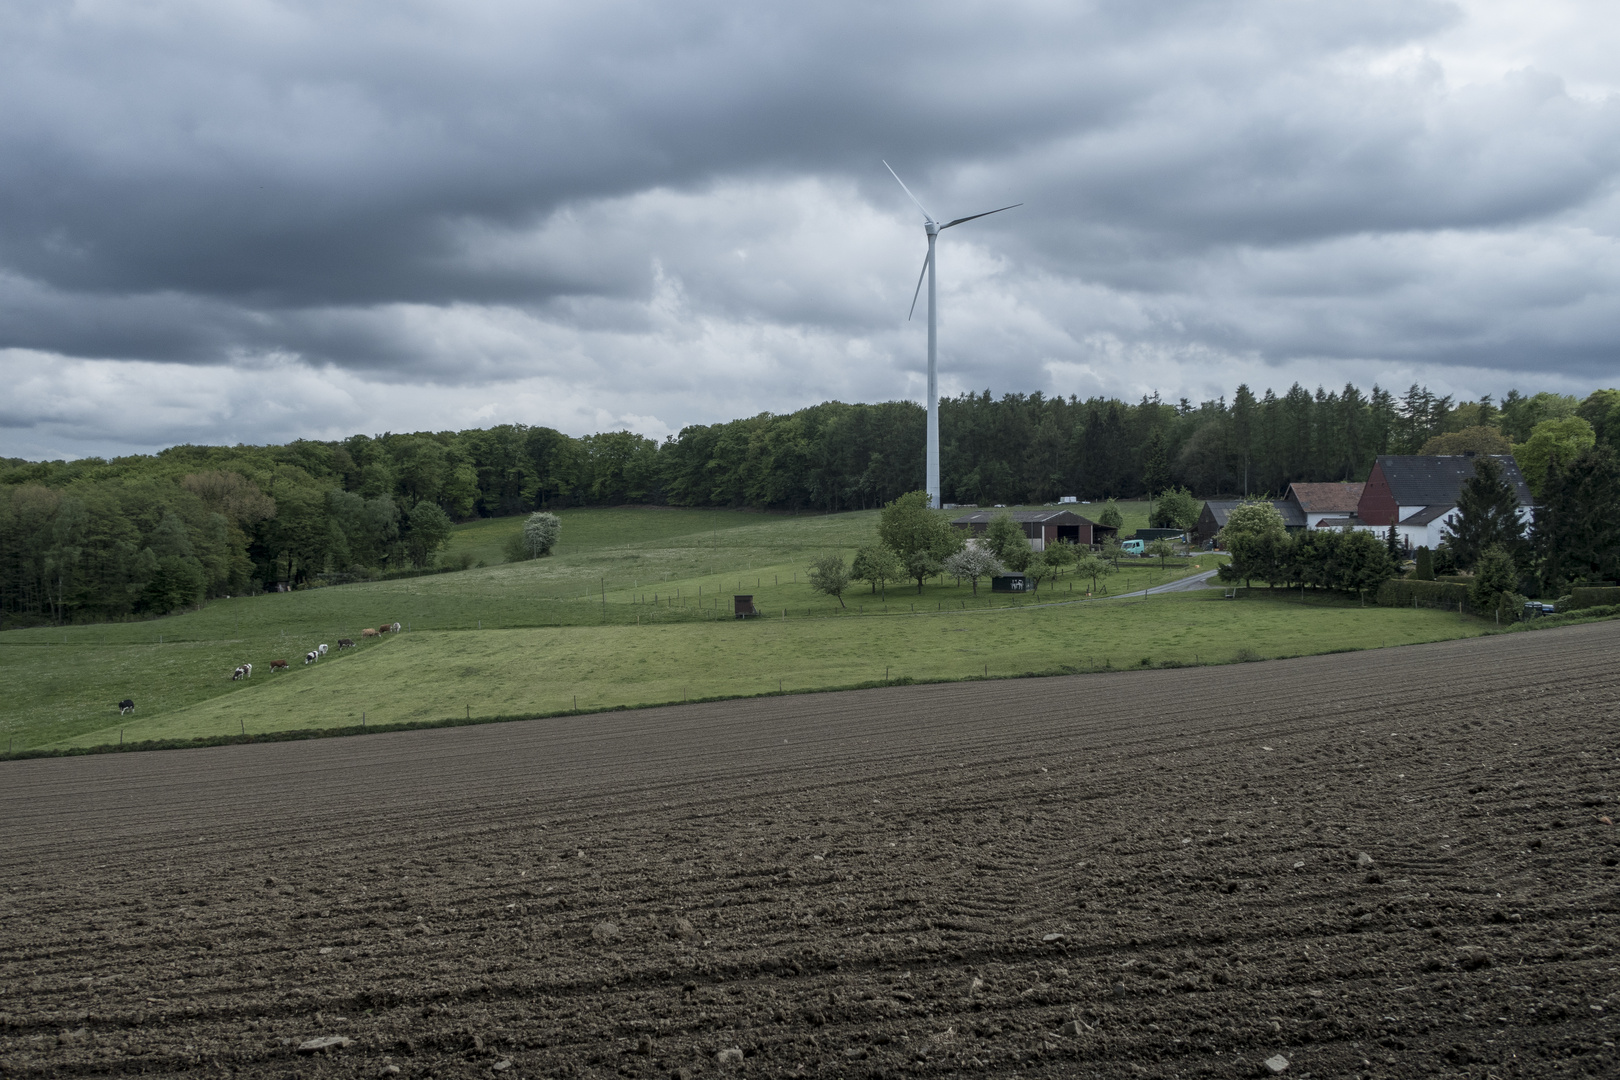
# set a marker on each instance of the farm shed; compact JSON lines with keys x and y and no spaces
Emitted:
{"x":1041,"y":526}
{"x":1418,"y":494}
{"x":1213,"y":518}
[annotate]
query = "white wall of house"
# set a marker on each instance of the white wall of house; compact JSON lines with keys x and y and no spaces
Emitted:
{"x":1433,"y":533}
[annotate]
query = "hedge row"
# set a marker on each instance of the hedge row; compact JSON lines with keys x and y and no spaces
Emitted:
{"x":1594,"y":596}
{"x":1400,"y":592}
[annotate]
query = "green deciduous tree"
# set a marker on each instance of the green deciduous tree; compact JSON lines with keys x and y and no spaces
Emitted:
{"x":1478,"y":439}
{"x":1094,"y":567}
{"x":1553,"y":442}
{"x":1257,"y":541}
{"x":829,"y":575}
{"x":1160,"y":549}
{"x":1601,"y":409}
{"x":878,"y":565}
{"x":1364,"y":562}
{"x":1110,"y":515}
{"x":1005,"y":539}
{"x":921,"y":536}
{"x":1175,"y":509}
{"x":429,"y":530}
{"x":1495,"y":576}
{"x":1061,"y":557}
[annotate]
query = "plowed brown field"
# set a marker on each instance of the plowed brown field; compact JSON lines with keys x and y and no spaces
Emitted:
{"x":981,"y":879}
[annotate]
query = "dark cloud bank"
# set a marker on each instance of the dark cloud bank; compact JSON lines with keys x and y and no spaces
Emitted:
{"x":227,"y":222}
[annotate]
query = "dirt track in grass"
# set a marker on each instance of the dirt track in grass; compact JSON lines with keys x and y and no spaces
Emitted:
{"x":974,"y":879}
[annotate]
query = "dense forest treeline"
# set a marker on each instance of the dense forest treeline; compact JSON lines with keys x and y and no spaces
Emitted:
{"x":147,"y":534}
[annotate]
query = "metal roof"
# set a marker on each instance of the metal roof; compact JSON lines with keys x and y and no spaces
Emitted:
{"x":1024,"y":517}
{"x":1222,"y":509}
{"x":1436,"y":480}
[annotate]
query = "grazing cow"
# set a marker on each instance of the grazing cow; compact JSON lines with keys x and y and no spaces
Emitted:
{"x":384,"y":628}
{"x":321,"y":650}
{"x":277,"y":665}
{"x":126,"y":706}
{"x":249,"y":669}
{"x":368,"y":632}
{"x":395,"y":628}
{"x":345,"y":643}
{"x":310,"y":657}
{"x":238,"y":675}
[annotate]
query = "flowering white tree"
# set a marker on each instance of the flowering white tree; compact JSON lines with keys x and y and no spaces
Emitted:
{"x":973,"y":562}
{"x":540,"y":534}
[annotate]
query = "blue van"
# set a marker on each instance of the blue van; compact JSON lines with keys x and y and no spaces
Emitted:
{"x":1132,"y":547}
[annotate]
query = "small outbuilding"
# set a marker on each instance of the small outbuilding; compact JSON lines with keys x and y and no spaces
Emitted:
{"x":1326,"y":506}
{"x":1043,"y":527}
{"x":1009,"y":583}
{"x":1213,"y":518}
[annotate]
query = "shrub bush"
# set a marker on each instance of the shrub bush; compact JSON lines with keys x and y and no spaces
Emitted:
{"x":1400,"y":592}
{"x":1585,"y":596}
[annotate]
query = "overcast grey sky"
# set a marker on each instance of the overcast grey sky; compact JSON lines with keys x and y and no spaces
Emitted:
{"x":227,"y":221}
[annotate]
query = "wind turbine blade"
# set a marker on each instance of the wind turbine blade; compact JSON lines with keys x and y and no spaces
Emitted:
{"x":926,"y":215}
{"x":918,"y":290}
{"x":987,"y":213}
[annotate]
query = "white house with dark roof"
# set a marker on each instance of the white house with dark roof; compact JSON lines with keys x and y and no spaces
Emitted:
{"x":1419,"y":494}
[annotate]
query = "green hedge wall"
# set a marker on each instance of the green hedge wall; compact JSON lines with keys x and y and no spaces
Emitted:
{"x":1593,"y":596}
{"x":1400,"y":592}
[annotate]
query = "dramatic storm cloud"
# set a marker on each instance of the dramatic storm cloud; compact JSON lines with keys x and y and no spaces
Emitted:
{"x":253,"y":221}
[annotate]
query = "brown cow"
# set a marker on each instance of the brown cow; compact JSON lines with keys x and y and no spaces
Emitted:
{"x":384,"y":628}
{"x":368,"y":632}
{"x":277,"y":665}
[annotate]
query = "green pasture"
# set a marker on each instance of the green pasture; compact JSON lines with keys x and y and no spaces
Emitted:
{"x":633,"y":603}
{"x":593,"y":530}
{"x":439,"y":674}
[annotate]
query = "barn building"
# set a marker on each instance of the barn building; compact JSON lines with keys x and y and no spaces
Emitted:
{"x":1213,"y":518}
{"x":1043,"y":527}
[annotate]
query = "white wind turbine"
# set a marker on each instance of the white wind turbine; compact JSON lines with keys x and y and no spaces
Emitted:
{"x":933,"y":228}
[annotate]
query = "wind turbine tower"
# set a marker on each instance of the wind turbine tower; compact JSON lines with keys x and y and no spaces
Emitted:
{"x":933,"y":229}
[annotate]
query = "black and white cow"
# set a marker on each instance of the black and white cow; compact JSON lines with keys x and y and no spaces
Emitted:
{"x":126,"y":706}
{"x":311,"y":657}
{"x":345,"y":643}
{"x":238,"y":675}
